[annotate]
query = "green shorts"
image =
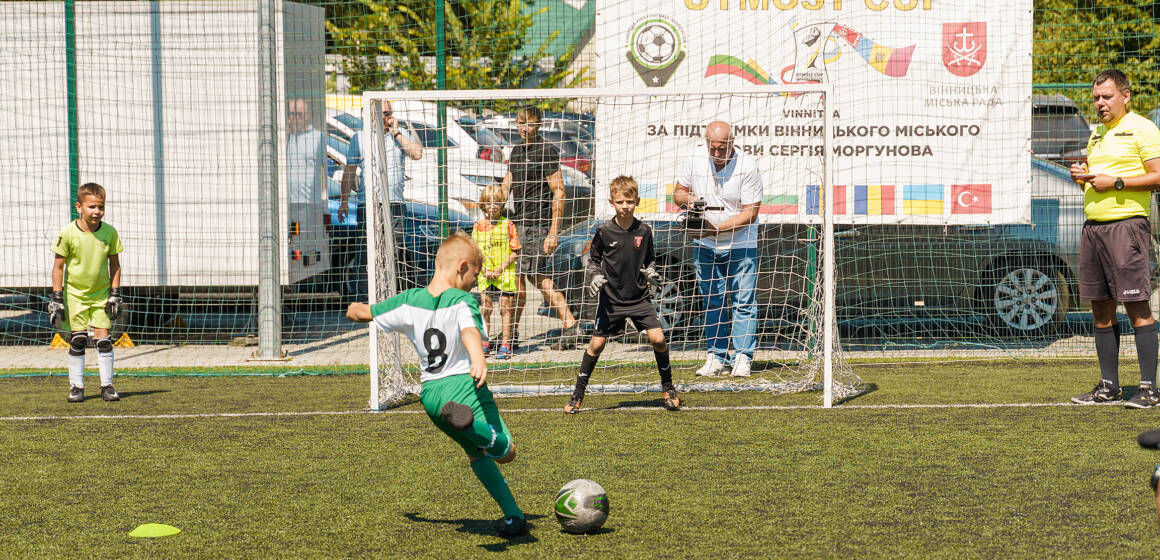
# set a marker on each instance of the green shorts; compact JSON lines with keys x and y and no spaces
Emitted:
{"x":461,"y":389}
{"x":80,"y":315}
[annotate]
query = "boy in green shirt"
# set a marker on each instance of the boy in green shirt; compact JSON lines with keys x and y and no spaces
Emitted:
{"x":442,"y":321}
{"x":86,"y":289}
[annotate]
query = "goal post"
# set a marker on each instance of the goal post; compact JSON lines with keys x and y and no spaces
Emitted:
{"x":598,"y":135}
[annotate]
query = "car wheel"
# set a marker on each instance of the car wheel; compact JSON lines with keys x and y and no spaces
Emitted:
{"x":677,"y":303}
{"x":1028,"y":300}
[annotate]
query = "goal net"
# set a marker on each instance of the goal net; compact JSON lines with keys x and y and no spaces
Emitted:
{"x":760,"y":291}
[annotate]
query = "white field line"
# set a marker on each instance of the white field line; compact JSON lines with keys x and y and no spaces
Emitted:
{"x":540,"y":410}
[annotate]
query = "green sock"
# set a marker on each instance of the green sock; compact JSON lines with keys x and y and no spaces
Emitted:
{"x":488,"y":473}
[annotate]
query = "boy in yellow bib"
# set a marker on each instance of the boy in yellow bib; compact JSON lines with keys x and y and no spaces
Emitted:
{"x":497,"y":238}
{"x":86,"y":289}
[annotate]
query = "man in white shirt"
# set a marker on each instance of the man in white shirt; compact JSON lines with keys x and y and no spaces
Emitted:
{"x":725,"y":258}
{"x":398,"y":144}
{"x":306,"y":164}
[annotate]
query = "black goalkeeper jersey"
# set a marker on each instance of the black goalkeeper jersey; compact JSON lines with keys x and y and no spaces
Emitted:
{"x":619,"y":254}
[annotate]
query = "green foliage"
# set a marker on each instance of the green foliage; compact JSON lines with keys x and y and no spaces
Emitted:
{"x":482,"y":38}
{"x":1075,"y":40}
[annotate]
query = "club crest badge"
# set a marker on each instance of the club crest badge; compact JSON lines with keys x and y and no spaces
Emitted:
{"x":637,"y":241}
{"x":964,"y":48}
{"x":655,"y":49}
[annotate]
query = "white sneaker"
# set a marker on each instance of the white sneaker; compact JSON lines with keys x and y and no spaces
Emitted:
{"x":712,"y":367}
{"x":741,"y":366}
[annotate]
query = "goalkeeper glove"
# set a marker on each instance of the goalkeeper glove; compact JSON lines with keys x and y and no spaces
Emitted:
{"x":1154,"y":482}
{"x":113,"y":305}
{"x":56,"y":310}
{"x":596,"y":285}
{"x":653,"y":277}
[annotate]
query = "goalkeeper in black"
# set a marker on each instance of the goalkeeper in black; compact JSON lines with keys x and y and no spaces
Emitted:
{"x":621,"y":264}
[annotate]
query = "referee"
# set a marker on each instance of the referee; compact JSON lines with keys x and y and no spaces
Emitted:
{"x":1123,"y":167}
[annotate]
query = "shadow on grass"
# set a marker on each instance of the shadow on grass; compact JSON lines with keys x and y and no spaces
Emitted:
{"x":484,"y":527}
{"x":870,"y":388}
{"x":130,"y":394}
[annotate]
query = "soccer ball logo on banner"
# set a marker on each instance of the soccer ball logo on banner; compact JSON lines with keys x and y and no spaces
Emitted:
{"x":655,"y":49}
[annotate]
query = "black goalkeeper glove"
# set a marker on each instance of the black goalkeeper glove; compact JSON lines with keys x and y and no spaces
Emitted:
{"x":56,"y":310}
{"x":596,"y":285}
{"x":113,"y":304}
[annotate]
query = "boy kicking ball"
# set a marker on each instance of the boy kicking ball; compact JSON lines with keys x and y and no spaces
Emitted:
{"x":442,"y":320}
{"x":621,"y":262}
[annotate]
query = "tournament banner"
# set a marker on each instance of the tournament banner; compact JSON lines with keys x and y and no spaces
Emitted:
{"x":930,"y":112}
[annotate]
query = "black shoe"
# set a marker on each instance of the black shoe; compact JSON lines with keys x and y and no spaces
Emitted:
{"x":1146,"y":397}
{"x":458,"y":416}
{"x":513,"y":527}
{"x":76,"y":394}
{"x":672,"y":401}
{"x":568,"y":340}
{"x":109,"y":393}
{"x":1104,"y":392}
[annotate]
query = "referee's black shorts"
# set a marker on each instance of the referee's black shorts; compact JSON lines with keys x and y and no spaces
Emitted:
{"x":1113,"y":260}
{"x":611,"y":317}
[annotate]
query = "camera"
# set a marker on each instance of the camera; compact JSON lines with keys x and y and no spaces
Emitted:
{"x":693,"y":218}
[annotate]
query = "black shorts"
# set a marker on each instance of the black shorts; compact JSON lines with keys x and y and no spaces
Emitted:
{"x":610,"y":317}
{"x":1113,"y":260}
{"x":493,"y":292}
{"x":533,"y":261}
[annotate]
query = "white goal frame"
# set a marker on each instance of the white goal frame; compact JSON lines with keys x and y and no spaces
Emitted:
{"x":372,"y":101}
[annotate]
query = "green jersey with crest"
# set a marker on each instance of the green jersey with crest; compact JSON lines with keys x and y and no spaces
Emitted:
{"x":433,"y":324}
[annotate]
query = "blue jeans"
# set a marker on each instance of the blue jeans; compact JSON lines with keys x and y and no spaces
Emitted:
{"x":728,"y":273}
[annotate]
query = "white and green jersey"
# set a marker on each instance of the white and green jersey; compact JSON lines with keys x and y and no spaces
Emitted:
{"x":433,"y":324}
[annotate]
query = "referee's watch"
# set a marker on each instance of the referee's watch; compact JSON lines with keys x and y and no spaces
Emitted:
{"x":1119,"y":183}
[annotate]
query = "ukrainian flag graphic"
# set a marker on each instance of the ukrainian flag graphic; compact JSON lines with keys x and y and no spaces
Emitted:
{"x":648,"y":198}
{"x":922,"y":199}
{"x":873,"y":200}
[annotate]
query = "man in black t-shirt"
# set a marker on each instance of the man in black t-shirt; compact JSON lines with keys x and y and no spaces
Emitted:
{"x":535,"y":186}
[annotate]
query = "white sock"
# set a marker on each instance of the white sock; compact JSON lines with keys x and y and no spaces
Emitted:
{"x":105,"y":366}
{"x":76,"y":370}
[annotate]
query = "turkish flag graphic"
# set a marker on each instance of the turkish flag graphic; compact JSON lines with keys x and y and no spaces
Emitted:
{"x":970,"y":199}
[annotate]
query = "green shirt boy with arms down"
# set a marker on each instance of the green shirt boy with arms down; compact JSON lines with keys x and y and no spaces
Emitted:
{"x":86,"y":289}
{"x":442,"y":320}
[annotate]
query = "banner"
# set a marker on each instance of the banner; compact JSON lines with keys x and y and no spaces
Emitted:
{"x":931,"y":105}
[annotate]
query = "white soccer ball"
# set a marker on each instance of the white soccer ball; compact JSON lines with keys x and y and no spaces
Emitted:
{"x":656,"y":44}
{"x":581,"y":506}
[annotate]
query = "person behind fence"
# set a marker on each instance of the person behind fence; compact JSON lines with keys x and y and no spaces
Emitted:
{"x":1122,"y":168}
{"x":536,"y":186}
{"x":443,"y":323}
{"x":497,"y":238}
{"x":621,"y":264}
{"x":86,"y":289}
{"x":728,"y":183}
{"x":399,"y":147}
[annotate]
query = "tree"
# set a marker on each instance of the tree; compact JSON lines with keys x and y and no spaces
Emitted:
{"x":482,"y":38}
{"x":1074,"y":40}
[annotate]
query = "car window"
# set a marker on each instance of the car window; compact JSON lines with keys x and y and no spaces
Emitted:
{"x":1052,"y":133}
{"x":484,"y":136}
{"x":339,"y":144}
{"x":427,"y":135}
{"x":349,"y":120}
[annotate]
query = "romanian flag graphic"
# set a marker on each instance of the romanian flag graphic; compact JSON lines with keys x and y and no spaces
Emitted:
{"x":731,"y":65}
{"x":873,"y":200}
{"x":922,"y":199}
{"x":890,"y":61}
{"x":813,"y":196}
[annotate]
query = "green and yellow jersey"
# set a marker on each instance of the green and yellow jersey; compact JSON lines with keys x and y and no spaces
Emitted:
{"x":87,"y":260}
{"x":498,"y":242}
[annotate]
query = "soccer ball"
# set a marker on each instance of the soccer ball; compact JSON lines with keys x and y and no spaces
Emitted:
{"x":656,"y":43}
{"x":581,"y":506}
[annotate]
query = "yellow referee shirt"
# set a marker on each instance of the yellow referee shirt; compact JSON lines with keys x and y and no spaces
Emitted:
{"x":1120,"y":151}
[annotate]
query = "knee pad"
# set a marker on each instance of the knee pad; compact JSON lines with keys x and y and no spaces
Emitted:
{"x":78,"y":343}
{"x":104,"y":345}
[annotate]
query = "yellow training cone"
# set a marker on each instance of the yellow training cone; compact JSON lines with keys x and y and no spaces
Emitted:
{"x":154,"y":530}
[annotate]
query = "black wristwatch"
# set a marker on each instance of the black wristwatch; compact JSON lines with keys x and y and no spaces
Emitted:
{"x":1119,"y":183}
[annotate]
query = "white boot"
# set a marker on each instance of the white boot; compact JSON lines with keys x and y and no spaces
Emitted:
{"x":741,"y":366}
{"x":712,"y":367}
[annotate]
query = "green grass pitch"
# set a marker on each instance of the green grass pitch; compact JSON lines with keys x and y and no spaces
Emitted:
{"x":731,"y":476}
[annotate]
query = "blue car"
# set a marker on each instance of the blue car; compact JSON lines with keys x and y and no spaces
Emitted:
{"x":417,"y":233}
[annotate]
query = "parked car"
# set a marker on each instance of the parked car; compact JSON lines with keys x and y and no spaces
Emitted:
{"x":572,"y":152}
{"x":1059,"y":131}
{"x":1021,"y":278}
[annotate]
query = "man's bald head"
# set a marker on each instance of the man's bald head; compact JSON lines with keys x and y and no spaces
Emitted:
{"x":719,"y":139}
